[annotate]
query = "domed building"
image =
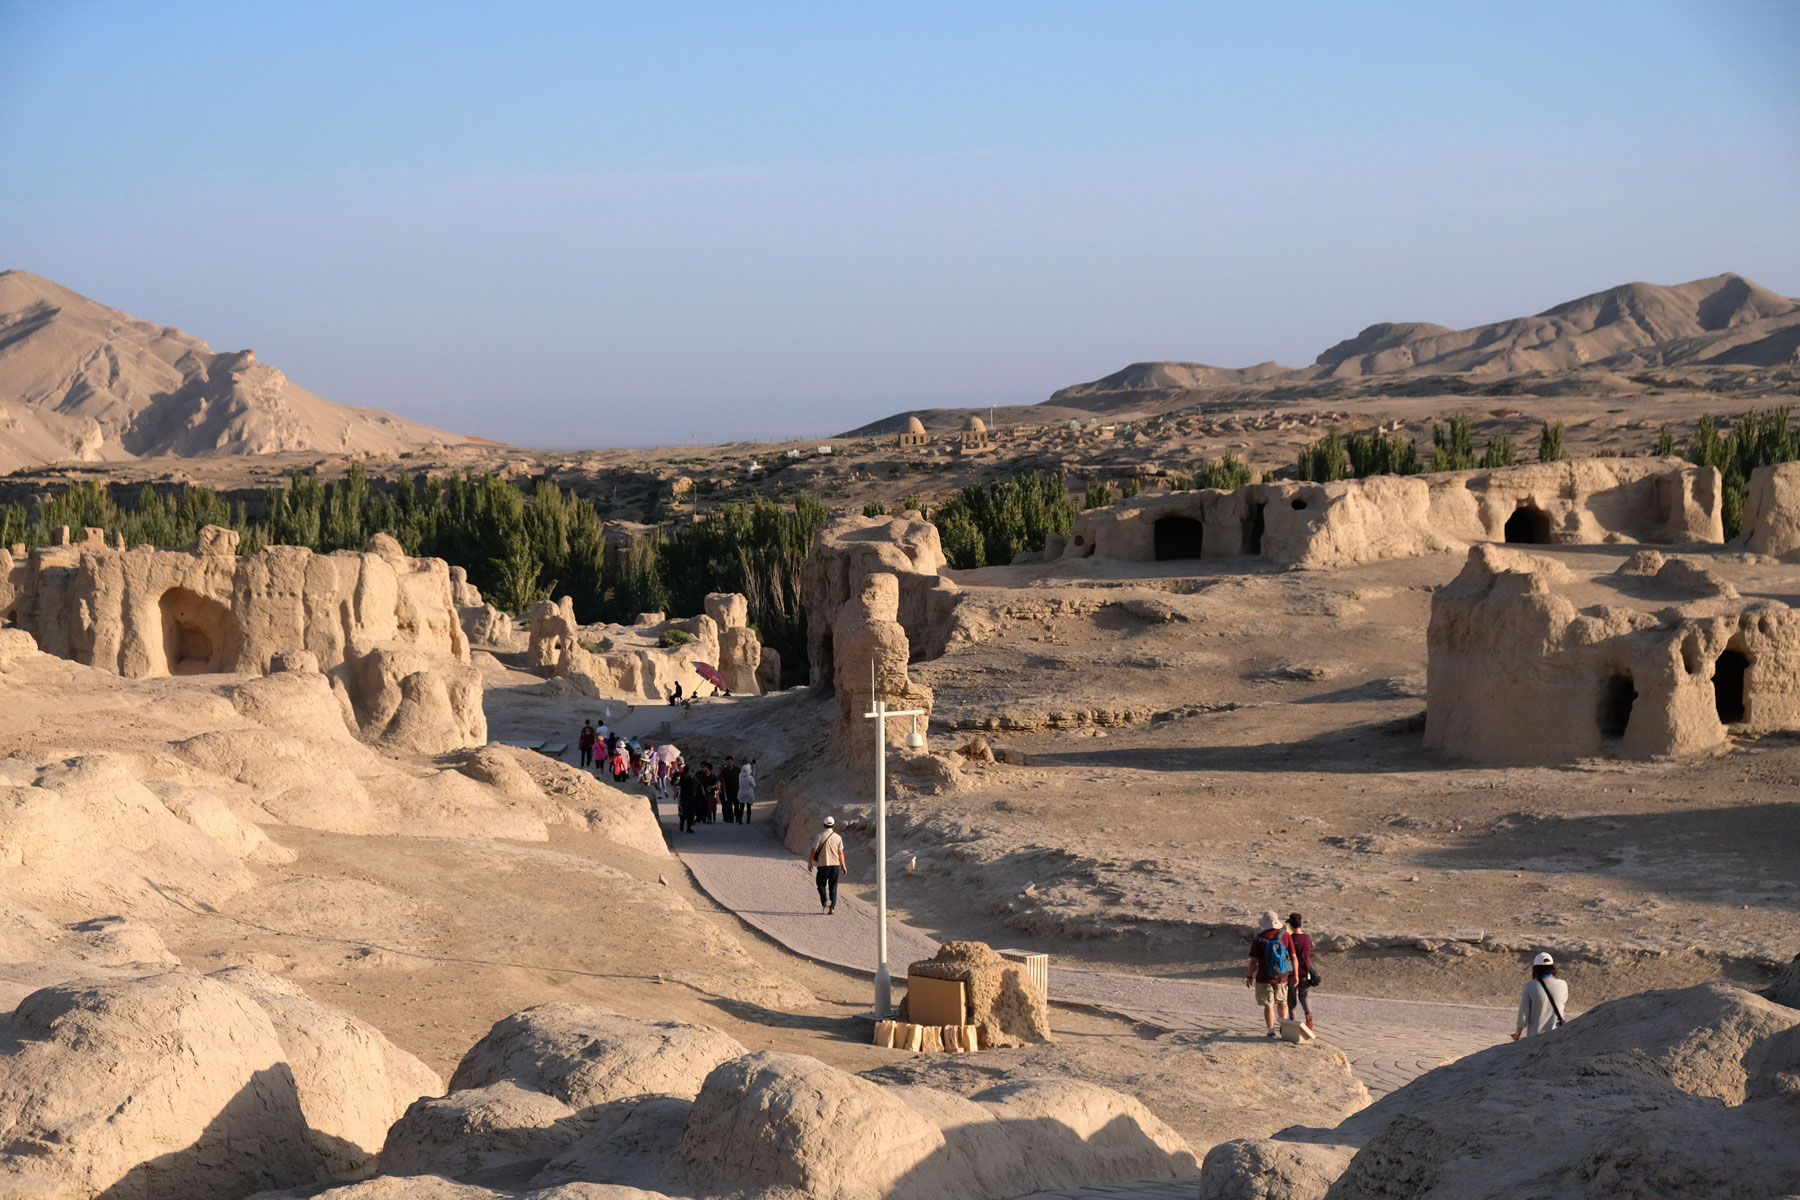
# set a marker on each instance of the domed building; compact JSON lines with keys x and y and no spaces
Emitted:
{"x":974,"y":436}
{"x":914,"y":434}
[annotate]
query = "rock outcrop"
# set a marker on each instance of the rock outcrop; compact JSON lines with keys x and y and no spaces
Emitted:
{"x":871,"y":654}
{"x":531,"y":1088}
{"x":644,"y":660}
{"x":781,"y":1121}
{"x":482,"y":623}
{"x":1530,"y":664}
{"x":382,"y":627}
{"x":850,"y":551}
{"x":1690,"y":1092}
{"x":1772,"y":512}
{"x":147,"y":1087}
{"x":352,"y":1082}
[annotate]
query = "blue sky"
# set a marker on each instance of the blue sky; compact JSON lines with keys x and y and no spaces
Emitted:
{"x":589,"y":224}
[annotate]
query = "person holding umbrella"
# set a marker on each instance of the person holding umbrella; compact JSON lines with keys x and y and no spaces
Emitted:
{"x":711,"y":674}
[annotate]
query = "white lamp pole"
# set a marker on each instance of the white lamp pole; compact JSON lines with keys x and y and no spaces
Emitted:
{"x":884,"y":984}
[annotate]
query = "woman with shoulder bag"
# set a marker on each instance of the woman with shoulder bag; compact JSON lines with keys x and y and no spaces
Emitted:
{"x":1308,"y":978}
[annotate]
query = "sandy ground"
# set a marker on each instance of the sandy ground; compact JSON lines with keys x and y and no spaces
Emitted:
{"x":1211,"y":740}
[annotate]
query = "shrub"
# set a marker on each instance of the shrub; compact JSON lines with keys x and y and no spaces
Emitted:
{"x":1098,"y":495}
{"x":675,"y":637}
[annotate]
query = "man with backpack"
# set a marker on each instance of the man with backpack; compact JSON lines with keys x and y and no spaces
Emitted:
{"x":1272,"y":970}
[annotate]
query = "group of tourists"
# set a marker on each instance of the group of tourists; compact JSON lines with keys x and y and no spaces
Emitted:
{"x":703,"y":797}
{"x":611,"y":752}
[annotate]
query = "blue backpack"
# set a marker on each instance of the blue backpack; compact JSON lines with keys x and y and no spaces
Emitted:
{"x":1277,"y":962}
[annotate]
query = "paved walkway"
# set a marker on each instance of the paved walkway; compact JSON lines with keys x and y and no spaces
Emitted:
{"x":1389,"y":1042}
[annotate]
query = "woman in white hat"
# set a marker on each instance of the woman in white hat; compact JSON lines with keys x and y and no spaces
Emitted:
{"x":1543,"y":1001}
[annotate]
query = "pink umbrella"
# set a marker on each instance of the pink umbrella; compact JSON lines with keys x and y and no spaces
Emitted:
{"x":709,"y":673}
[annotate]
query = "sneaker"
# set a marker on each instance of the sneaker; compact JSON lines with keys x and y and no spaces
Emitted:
{"x":1273,"y":1033}
{"x":830,"y":908}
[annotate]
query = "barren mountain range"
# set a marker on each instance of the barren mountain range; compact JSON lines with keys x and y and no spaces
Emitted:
{"x":1714,"y":326}
{"x":83,"y":382}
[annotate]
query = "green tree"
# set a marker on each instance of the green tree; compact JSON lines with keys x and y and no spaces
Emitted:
{"x":1454,"y":449}
{"x":1550,"y":442}
{"x":1098,"y":495}
{"x":1665,"y":442}
{"x":1499,"y":452}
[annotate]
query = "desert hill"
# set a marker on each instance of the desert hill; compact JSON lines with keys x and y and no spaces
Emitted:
{"x":1719,"y":322}
{"x":1719,"y":328}
{"x":83,"y":382}
{"x":1722,"y":320}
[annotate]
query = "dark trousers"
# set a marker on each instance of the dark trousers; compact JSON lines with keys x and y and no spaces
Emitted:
{"x":828,"y":881}
{"x":687,"y":818}
{"x":743,"y":812}
{"x":1297,"y":1002}
{"x":587,"y":756}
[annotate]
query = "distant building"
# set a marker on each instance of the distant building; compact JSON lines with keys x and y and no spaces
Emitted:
{"x":915,"y":434}
{"x":974,"y":437}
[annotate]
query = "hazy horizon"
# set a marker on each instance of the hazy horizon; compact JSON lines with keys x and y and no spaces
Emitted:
{"x":567,"y":225}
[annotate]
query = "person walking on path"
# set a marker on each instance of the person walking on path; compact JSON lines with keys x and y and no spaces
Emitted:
{"x":1543,"y":1001}
{"x":1303,"y":969}
{"x":829,"y":865}
{"x":687,"y":791}
{"x":586,"y":742}
{"x":728,"y":783}
{"x":709,"y":793}
{"x":1271,"y":970}
{"x":746,"y":790}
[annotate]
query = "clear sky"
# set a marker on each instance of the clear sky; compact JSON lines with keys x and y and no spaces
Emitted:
{"x":594,"y":224}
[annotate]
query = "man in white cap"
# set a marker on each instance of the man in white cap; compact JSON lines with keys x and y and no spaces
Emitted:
{"x":1544,"y":1000}
{"x":828,"y":864}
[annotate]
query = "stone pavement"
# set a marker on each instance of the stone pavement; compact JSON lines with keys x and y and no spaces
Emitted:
{"x":1389,"y":1042}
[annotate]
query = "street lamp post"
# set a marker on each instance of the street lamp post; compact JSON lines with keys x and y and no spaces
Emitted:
{"x":884,"y":984}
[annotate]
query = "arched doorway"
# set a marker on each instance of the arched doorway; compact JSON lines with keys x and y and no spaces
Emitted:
{"x":1177,"y":537}
{"x":1615,"y":706}
{"x":1528,"y":526}
{"x":197,"y":632}
{"x":1728,"y":685}
{"x":1253,"y":529}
